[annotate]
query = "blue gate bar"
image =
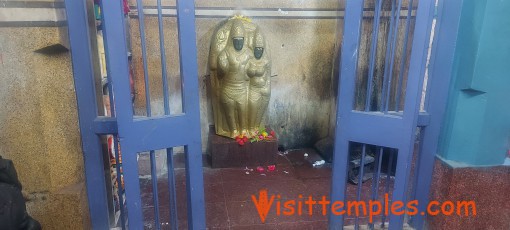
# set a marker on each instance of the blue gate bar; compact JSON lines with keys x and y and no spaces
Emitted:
{"x":392,"y":55}
{"x":120,"y":189}
{"x":420,"y":47}
{"x":166,"y":103}
{"x":171,"y":189}
{"x":441,"y":65}
{"x":348,"y":62}
{"x":387,"y":58}
{"x":418,"y":58}
{"x":116,"y":149}
{"x":414,"y":185}
{"x":83,"y":74}
{"x":105,"y":125}
{"x":191,"y":107}
{"x":388,"y":180}
{"x":166,"y":97}
{"x":118,"y":69}
{"x":375,"y":181}
{"x":403,"y":56}
{"x":141,"y":27}
{"x":195,"y":187}
{"x":155,"y":198}
{"x":373,"y":52}
{"x":360,"y":183}
{"x":108,"y":125}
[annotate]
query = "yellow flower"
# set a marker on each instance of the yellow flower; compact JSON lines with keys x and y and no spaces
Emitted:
{"x":241,"y":17}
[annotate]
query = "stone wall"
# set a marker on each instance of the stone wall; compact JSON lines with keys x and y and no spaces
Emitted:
{"x":301,"y":96}
{"x":303,"y":52}
{"x":38,"y":120}
{"x":38,"y":116}
{"x":304,"y":39}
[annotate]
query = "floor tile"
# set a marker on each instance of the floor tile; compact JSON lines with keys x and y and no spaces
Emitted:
{"x":228,"y":196}
{"x":255,"y":227}
{"x":281,"y":172}
{"x":243,"y":190}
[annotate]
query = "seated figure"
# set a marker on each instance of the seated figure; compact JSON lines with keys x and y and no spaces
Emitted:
{"x":13,"y":212}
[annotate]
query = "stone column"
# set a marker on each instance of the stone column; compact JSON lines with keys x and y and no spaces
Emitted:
{"x":476,"y":134}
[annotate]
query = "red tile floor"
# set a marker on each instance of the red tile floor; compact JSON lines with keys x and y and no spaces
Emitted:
{"x":228,"y":196}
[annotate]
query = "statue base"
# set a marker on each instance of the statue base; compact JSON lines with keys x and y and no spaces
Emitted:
{"x":225,"y":152}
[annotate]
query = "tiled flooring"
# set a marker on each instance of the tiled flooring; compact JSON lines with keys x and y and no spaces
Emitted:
{"x":228,"y":197}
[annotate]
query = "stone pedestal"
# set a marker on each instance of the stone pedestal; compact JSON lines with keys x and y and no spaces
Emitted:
{"x":227,"y":153}
{"x":487,"y":186}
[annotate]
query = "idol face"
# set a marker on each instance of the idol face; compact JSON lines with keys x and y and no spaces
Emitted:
{"x":238,"y":43}
{"x":258,"y":52}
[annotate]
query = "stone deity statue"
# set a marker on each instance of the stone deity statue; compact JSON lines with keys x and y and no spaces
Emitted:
{"x":258,"y":70}
{"x":240,"y":77}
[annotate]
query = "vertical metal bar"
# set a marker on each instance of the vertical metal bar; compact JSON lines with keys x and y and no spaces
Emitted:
{"x":401,"y":181}
{"x":418,"y":58}
{"x":132,"y":188}
{"x":416,"y":169}
{"x":166,"y":103}
{"x":188,"y":53}
{"x":346,"y":85}
{"x":171,"y":189}
{"x":375,"y":183}
{"x":339,"y":180}
{"x":118,"y":69}
{"x":360,"y":183}
{"x":403,"y":57}
{"x":421,"y":41}
{"x":141,"y":26}
{"x":116,"y":149}
{"x":155,"y":198}
{"x":120,"y":190}
{"x":447,"y":27}
{"x":83,"y":74}
{"x":373,"y":52}
{"x":387,"y":57}
{"x":195,"y":187}
{"x":435,"y":24}
{"x":392,"y":55}
{"x":166,"y":110}
{"x":190,"y":87}
{"x":388,"y":180}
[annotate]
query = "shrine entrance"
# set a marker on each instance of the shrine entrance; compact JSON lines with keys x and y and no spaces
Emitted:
{"x":383,"y":114}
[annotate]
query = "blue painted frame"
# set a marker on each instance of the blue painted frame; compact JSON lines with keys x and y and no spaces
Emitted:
{"x":151,"y":133}
{"x":376,"y":128}
{"x":138,"y":135}
{"x":135,"y":135}
{"x":441,"y":65}
{"x":83,"y":74}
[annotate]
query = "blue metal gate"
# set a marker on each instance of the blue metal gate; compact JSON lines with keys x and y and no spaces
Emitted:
{"x":387,"y":128}
{"x":136,"y":135}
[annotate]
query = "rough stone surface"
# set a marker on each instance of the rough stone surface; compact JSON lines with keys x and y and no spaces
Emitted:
{"x":487,"y":186}
{"x":39,"y":124}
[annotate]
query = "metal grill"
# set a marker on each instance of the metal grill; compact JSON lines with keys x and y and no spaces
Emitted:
{"x":378,"y":106}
